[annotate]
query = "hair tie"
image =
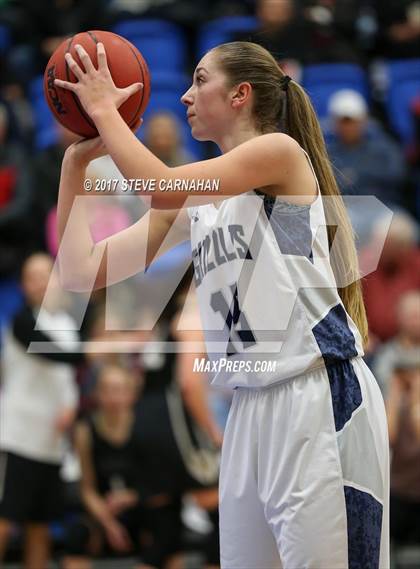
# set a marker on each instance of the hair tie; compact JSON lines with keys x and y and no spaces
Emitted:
{"x":285,"y":82}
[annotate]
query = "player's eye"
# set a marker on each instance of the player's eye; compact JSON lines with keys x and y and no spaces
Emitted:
{"x":199,"y":80}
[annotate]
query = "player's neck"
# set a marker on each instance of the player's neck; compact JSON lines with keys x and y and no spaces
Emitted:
{"x":236,"y":137}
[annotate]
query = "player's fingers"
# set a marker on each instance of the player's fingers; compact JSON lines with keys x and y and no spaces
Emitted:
{"x":73,"y":66}
{"x":66,"y":85}
{"x":85,"y":59}
{"x":131,"y":89}
{"x":101,"y":54}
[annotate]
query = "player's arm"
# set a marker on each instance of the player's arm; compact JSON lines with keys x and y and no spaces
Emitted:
{"x":186,"y":327}
{"x":265,"y":160}
{"x":85,"y":265}
{"x":90,"y":496}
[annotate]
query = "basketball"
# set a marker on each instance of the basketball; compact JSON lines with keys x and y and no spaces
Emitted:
{"x":126,"y":65}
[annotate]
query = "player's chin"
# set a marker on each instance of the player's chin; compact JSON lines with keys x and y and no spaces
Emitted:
{"x":199,"y":135}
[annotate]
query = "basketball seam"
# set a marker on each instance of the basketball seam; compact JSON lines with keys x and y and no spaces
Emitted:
{"x":75,"y":97}
{"x":143,"y":74}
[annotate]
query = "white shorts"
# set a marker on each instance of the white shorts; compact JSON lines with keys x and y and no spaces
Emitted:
{"x":304,"y":480}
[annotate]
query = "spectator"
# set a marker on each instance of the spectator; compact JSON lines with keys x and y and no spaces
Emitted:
{"x":331,"y":28}
{"x":280,"y":31}
{"x":163,"y":137}
{"x":403,"y":410}
{"x":42,"y":26}
{"x":357,"y":147}
{"x":121,"y":517}
{"x":398,"y":272}
{"x":37,"y":406}
{"x":173,"y":415}
{"x":15,"y":201}
{"x":47,"y":168}
{"x":399,"y":22}
{"x":406,"y":343}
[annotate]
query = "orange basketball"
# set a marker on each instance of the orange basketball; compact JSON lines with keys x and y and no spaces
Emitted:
{"x":126,"y":65}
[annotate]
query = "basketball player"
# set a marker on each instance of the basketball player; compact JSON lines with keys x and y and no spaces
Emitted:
{"x":304,"y":474}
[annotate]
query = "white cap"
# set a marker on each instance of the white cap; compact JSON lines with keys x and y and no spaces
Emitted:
{"x":347,"y":103}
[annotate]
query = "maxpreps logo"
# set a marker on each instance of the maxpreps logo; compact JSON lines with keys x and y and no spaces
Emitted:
{"x":52,"y":92}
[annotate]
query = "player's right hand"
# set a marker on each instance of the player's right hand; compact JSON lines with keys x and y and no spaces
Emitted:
{"x":118,"y":537}
{"x":86,"y":149}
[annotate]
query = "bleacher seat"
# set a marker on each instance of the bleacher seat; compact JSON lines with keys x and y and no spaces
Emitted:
{"x":323,"y":79}
{"x":222,"y":30}
{"x":162,"y":43}
{"x":166,"y":91}
{"x":11,"y":300}
{"x":5,"y":38}
{"x":403,"y":87}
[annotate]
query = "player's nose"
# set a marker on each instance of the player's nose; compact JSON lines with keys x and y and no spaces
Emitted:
{"x":187,"y":98}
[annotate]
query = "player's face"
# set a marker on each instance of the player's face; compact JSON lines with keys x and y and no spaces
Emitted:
{"x":207,"y":100}
{"x":115,"y":392}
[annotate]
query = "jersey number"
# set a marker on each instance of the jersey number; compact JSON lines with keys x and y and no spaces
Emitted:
{"x":233,"y":317}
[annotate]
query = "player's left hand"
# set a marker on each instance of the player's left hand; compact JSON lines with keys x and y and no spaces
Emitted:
{"x":95,"y":87}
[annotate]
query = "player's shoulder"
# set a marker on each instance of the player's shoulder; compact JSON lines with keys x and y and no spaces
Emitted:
{"x":272,"y":146}
{"x":279,"y":140}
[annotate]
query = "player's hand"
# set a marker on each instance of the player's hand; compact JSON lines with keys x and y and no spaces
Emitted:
{"x":118,"y":537}
{"x":65,"y":420}
{"x":120,"y":500}
{"x":86,"y":149}
{"x":95,"y":87}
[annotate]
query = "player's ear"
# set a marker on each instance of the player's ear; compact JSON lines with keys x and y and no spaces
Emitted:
{"x":240,"y":94}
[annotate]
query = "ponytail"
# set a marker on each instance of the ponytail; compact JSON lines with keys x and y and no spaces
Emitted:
{"x":280,"y":103}
{"x":303,"y":126}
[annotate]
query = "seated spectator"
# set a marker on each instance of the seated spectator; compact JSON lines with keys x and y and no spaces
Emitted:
{"x":162,"y":136}
{"x":367,"y":161}
{"x":398,"y":272}
{"x":331,"y":30}
{"x":46,"y":169}
{"x":38,"y":402}
{"x":15,"y":202}
{"x":280,"y":31}
{"x":405,"y":344}
{"x":40,"y":28}
{"x":174,"y":416}
{"x":399,"y":23}
{"x":403,"y":410}
{"x":121,"y":518}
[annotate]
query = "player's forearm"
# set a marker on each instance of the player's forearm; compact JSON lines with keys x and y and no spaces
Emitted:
{"x":76,"y":244}
{"x":132,"y":158}
{"x":195,"y":395}
{"x":97,"y":507}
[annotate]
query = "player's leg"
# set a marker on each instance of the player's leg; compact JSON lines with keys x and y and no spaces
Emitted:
{"x":5,"y":532}
{"x":246,"y":540}
{"x":37,"y":546}
{"x":368,"y":438}
{"x":299,"y":476}
{"x":15,"y":495}
{"x":208,"y":500}
{"x":45,"y":506}
{"x":326,"y":497}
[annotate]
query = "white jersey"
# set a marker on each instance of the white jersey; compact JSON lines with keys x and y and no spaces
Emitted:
{"x":268,"y":299}
{"x":35,"y":390}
